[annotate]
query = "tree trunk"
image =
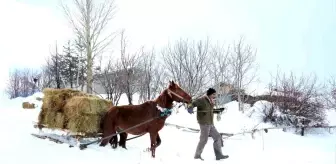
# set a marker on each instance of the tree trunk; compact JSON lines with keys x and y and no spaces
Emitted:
{"x":89,"y":78}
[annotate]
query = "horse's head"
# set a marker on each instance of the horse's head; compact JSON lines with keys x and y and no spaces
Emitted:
{"x":177,"y":93}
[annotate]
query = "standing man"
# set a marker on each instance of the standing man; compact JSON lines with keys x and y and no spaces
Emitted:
{"x":205,"y":115}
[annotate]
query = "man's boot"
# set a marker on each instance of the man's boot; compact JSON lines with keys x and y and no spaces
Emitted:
{"x":198,"y":157}
{"x":219,"y":155}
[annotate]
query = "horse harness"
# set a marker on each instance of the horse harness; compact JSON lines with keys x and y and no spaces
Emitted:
{"x":163,"y":112}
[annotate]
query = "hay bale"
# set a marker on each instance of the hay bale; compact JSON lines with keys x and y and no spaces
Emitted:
{"x":54,"y":120}
{"x":55,"y":99}
{"x":79,"y":105}
{"x":27,"y":105}
{"x":84,"y":113}
{"x":85,"y":124}
{"x":73,"y":110}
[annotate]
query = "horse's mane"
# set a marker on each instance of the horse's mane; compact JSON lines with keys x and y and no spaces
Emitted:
{"x":164,"y":100}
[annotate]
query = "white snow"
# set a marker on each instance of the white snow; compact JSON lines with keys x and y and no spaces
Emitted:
{"x":276,"y":147}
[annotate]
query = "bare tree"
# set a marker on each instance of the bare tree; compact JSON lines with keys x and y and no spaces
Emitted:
{"x":330,"y":93}
{"x":151,"y":77}
{"x":129,"y":68}
{"x":220,"y":72}
{"x":13,"y":86}
{"x":22,"y":83}
{"x":47,"y":77}
{"x":89,"y":24}
{"x":243,"y":63}
{"x":187,"y":63}
{"x":109,"y":78}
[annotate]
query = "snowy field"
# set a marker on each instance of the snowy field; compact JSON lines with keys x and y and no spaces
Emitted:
{"x":276,"y":146}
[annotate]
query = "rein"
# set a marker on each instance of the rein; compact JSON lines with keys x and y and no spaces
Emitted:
{"x":177,"y":95}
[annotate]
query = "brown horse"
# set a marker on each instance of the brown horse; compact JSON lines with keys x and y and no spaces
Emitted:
{"x":126,"y":116}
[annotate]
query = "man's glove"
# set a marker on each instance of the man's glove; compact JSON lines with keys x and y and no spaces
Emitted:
{"x":190,"y":110}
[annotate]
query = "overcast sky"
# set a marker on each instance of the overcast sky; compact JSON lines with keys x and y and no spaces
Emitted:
{"x":295,"y":35}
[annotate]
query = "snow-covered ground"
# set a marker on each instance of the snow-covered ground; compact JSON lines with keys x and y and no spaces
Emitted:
{"x":276,"y":147}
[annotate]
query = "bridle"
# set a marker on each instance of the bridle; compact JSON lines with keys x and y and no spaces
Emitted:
{"x":170,"y":92}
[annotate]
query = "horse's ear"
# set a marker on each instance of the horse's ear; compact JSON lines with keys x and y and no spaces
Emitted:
{"x":172,"y":82}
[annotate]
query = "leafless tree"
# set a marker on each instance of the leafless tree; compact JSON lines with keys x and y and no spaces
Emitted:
{"x":109,"y":78}
{"x":187,"y":63}
{"x":13,"y":86}
{"x":330,"y":93}
{"x":220,"y":71}
{"x":89,"y":22}
{"x":47,"y":77}
{"x":129,"y":68}
{"x":22,"y":83}
{"x":243,"y":63}
{"x":151,"y":77}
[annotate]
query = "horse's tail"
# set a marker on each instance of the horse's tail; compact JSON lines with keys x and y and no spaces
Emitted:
{"x":101,"y":125}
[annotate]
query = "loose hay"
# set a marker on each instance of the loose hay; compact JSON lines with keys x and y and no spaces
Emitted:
{"x":27,"y":105}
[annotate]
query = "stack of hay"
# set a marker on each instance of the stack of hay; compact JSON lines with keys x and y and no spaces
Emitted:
{"x":27,"y":105}
{"x":73,"y":110}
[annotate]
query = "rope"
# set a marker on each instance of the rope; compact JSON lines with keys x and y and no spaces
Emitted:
{"x":84,"y":145}
{"x":276,"y":128}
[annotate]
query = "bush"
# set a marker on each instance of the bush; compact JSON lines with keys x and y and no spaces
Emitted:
{"x":296,"y":102}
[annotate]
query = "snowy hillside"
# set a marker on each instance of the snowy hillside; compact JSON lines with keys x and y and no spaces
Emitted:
{"x":276,"y":146}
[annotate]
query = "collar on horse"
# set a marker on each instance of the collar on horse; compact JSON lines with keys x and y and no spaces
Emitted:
{"x":164,"y":111}
{"x":168,"y":111}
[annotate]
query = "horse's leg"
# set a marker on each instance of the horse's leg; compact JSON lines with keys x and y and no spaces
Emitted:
{"x":123,"y":138}
{"x":109,"y":129}
{"x":158,"y":140}
{"x":114,"y":141}
{"x":153,"y":137}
